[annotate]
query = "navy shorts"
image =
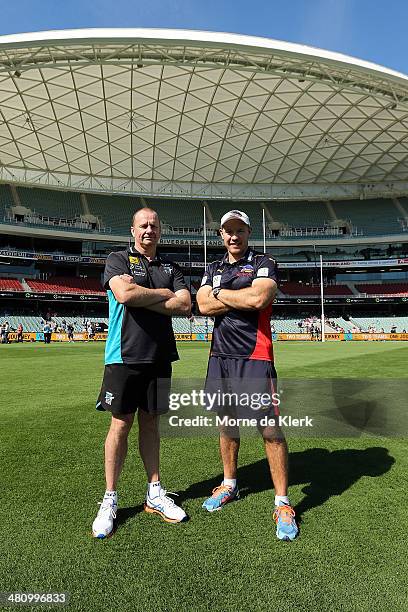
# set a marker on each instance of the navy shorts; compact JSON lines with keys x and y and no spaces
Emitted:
{"x":125,"y":388}
{"x":245,"y":388}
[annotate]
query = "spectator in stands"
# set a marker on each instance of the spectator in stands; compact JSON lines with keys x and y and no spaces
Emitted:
{"x":20,"y":332}
{"x":47,"y":330}
{"x":394,"y":329}
{"x":70,"y":332}
{"x":2,"y":333}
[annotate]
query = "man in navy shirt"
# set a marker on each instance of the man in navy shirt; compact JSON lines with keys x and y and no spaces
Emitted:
{"x":144,"y":292}
{"x":238,"y":291}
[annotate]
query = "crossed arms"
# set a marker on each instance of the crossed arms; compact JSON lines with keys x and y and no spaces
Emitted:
{"x":257,"y":297}
{"x":163,"y":301}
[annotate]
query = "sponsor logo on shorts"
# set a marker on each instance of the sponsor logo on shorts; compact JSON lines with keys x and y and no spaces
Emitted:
{"x":109,"y":397}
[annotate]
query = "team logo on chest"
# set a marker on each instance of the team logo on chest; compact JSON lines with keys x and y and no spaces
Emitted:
{"x":246,"y":270}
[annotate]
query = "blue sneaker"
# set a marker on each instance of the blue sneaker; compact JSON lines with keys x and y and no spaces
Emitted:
{"x":286,"y":528}
{"x":221,"y":495}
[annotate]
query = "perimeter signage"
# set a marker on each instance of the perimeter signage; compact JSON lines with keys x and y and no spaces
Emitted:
{"x":362,"y":263}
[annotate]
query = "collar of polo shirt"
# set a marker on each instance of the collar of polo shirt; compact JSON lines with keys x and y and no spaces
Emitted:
{"x":247,"y":255}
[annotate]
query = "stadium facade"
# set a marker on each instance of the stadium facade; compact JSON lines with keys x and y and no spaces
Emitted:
{"x":95,"y":124}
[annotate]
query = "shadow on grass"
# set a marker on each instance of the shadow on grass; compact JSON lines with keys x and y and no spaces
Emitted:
{"x":124,"y":514}
{"x":325,"y":473}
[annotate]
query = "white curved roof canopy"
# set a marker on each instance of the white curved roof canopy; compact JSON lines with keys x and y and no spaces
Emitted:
{"x":198,"y":114}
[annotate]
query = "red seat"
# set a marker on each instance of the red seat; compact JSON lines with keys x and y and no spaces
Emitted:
{"x":292,"y":288}
{"x":395,"y":289}
{"x":67,"y":285}
{"x":10,"y":284}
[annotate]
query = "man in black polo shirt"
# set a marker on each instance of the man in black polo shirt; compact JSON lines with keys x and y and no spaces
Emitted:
{"x":238,"y":291}
{"x":144,"y":292}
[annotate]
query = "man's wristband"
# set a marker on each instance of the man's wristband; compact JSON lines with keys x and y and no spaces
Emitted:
{"x":216,"y":291}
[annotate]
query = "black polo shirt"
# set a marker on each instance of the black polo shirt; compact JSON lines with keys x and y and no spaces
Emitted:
{"x":244,"y":334}
{"x":138,"y":335}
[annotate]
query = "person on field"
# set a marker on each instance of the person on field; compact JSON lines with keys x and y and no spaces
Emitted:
{"x":144,"y":291}
{"x":70,"y":332}
{"x":238,"y":291}
{"x":47,"y":330}
{"x":20,"y":332}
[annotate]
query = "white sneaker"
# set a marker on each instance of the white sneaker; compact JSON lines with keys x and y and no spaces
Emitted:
{"x":163,"y":505}
{"x":102,"y":526}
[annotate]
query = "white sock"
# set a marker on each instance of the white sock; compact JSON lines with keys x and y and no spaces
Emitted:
{"x":110,"y":495}
{"x":282,"y":500}
{"x":230,"y":482}
{"x":153,"y":489}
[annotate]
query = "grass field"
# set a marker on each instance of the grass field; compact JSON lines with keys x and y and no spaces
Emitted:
{"x":350,"y":496}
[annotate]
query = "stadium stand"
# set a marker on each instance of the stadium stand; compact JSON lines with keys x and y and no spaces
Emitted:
{"x":293,"y":288}
{"x":67,"y":285}
{"x":10,"y":284}
{"x":396,"y":289}
{"x":199,"y":325}
{"x":385,"y":323}
{"x":336,"y":322}
{"x":6,"y":200}
{"x":299,"y":214}
{"x":373,"y":217}
{"x":117,"y":211}
{"x":51,"y":203}
{"x":36,"y":323}
{"x":114,"y":211}
{"x":286,"y":326}
{"x":178,"y":213}
{"x":252,"y":209}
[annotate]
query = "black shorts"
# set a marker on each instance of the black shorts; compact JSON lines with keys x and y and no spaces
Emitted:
{"x":244,"y":388}
{"x":125,"y":388}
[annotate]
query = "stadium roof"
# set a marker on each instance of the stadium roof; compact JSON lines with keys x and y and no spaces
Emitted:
{"x":198,"y":114}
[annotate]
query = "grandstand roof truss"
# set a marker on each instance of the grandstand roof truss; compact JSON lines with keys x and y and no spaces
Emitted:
{"x":198,"y":115}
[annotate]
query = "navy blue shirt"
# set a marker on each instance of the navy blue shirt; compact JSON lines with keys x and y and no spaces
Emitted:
{"x":244,"y":334}
{"x":139,"y":335}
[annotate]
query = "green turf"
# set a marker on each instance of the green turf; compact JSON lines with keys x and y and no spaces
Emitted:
{"x":350,"y":495}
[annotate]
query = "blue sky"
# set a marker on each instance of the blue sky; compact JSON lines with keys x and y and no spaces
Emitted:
{"x":370,"y":30}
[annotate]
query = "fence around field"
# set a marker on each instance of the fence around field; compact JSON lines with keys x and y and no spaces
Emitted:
{"x":206,"y":337}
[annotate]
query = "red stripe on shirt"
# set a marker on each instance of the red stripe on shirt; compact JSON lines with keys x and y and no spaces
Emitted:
{"x":263,"y":347}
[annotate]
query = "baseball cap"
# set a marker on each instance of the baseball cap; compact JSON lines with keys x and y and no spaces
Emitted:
{"x":235,"y":214}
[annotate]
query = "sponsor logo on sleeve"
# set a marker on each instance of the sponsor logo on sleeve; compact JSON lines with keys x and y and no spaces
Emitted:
{"x":263,"y":272}
{"x":205,"y":279}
